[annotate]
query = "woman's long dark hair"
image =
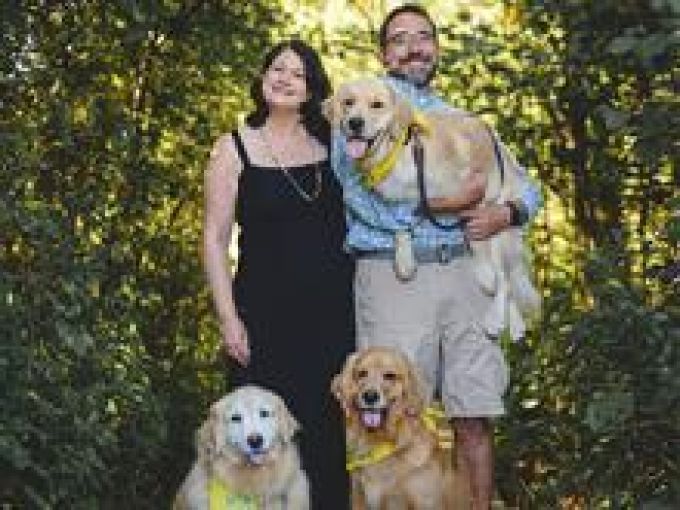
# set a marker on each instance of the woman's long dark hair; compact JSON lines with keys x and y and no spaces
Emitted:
{"x":318,"y":88}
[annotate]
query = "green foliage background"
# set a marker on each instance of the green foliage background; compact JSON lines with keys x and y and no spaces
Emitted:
{"x":108,"y":349}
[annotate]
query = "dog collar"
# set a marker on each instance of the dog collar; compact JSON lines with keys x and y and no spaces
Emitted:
{"x":221,"y":498}
{"x":378,"y":173}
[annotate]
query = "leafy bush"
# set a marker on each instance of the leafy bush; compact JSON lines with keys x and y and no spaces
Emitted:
{"x":595,"y":405}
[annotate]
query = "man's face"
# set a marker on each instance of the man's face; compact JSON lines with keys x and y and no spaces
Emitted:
{"x":411,"y":48}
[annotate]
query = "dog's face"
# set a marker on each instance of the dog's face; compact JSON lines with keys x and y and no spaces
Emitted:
{"x":249,"y":425}
{"x":368,"y":112}
{"x":379,"y":386}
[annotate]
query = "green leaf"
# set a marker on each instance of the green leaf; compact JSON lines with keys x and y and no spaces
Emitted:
{"x":657,"y":504}
{"x":622,"y":44}
{"x":608,"y":411}
{"x":673,"y":230}
{"x":614,"y":119}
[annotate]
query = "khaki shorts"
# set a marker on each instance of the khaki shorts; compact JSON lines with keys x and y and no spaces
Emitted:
{"x":435,"y":320}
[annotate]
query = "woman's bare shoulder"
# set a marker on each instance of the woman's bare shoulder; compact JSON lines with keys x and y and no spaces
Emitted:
{"x":224,"y":157}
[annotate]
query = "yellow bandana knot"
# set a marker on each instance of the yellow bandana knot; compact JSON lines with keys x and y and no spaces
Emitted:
{"x":431,"y":417}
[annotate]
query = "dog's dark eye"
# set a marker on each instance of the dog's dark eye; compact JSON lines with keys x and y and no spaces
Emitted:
{"x":361,"y":374}
{"x":236,"y":418}
{"x":390,"y":376}
{"x":377,"y":104}
{"x":348,"y":101}
{"x":265,"y":413}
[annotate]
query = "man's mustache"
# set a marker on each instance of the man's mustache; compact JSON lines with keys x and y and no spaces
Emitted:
{"x":415,"y":57}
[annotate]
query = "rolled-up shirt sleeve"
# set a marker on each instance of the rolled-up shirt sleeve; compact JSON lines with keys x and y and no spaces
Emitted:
{"x":531,"y":196}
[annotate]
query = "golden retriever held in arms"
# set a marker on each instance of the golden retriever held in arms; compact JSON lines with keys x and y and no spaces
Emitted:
{"x":378,"y":125}
{"x":246,"y":457}
{"x":395,"y":460}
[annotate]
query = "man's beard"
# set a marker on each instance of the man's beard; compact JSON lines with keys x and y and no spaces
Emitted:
{"x":419,"y":78}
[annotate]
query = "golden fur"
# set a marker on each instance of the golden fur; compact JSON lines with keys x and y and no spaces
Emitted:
{"x":456,"y":145}
{"x":276,"y":480}
{"x":418,"y":474}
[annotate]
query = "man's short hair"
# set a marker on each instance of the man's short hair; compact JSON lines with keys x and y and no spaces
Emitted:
{"x":406,"y":8}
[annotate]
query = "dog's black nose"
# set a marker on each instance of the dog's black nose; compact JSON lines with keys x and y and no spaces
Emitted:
{"x":370,"y":397}
{"x":255,"y":441}
{"x":356,"y":124}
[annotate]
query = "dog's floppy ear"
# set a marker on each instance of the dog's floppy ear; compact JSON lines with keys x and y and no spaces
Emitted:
{"x":342,"y":383}
{"x":288,"y":425}
{"x":328,"y":109}
{"x":415,"y":397}
{"x":209,"y":442}
{"x":403,"y":110}
{"x":205,"y":438}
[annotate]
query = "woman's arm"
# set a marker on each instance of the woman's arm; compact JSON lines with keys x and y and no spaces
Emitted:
{"x":221,"y":185}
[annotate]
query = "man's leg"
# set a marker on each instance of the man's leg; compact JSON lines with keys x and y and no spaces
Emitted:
{"x":474,"y":455}
{"x":392,"y":313}
{"x":475,"y":377}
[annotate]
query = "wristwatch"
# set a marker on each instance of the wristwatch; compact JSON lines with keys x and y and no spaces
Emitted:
{"x":518,"y":213}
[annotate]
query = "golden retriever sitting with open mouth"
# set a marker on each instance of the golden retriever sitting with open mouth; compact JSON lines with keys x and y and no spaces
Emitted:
{"x":246,"y":457}
{"x":381,"y":128}
{"x":394,"y":458}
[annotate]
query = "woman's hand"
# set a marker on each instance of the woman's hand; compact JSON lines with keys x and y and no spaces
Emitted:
{"x":235,"y":339}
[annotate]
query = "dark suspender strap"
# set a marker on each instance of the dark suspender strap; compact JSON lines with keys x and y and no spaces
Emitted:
{"x":419,"y":159}
{"x":240,"y":148}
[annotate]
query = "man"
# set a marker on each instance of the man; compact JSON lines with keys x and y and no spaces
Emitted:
{"x":434,"y":317}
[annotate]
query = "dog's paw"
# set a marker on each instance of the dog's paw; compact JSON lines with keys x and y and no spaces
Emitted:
{"x":516,"y":326}
{"x":404,"y":259}
{"x":486,"y":277}
{"x":494,"y":319}
{"x":524,"y":293}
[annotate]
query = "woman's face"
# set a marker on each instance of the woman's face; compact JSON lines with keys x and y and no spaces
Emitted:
{"x":283,"y":83}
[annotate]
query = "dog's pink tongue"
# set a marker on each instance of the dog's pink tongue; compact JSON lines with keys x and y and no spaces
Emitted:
{"x":371,"y":419}
{"x":356,"y":148}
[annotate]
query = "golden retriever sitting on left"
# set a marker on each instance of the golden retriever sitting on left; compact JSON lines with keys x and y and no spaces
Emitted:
{"x":394,"y":458}
{"x":246,"y":457}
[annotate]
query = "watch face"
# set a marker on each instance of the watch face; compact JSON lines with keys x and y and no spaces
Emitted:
{"x":515,"y":215}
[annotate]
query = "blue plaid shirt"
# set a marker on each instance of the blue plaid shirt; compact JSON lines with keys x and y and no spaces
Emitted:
{"x":372,"y":222}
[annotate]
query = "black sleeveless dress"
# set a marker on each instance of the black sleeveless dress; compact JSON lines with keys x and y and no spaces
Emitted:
{"x":293,"y":290}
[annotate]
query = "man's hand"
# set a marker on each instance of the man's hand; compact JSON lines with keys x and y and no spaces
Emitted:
{"x":485,"y":221}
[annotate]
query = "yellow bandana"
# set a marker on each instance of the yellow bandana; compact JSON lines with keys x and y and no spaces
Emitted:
{"x":374,"y":176}
{"x":378,"y":453}
{"x":431,"y":417}
{"x":381,"y":451}
{"x":220,"y":498}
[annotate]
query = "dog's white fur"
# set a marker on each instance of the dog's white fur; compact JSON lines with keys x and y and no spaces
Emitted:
{"x":456,"y":145}
{"x":270,"y":472}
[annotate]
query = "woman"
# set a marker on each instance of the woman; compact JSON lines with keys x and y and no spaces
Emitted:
{"x":287,"y":318}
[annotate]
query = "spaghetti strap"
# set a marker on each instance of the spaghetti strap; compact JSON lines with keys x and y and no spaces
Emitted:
{"x":240,"y":148}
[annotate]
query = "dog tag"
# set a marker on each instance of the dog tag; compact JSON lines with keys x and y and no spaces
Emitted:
{"x":404,"y":258}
